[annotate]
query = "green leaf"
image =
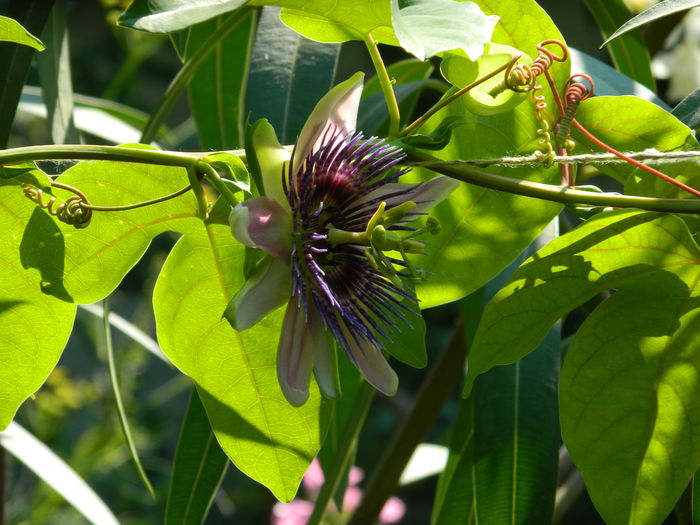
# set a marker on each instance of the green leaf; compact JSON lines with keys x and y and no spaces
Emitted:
{"x":436,"y":140}
{"x":92,"y":261}
{"x":198,"y":469}
{"x":660,"y":10}
{"x":217,"y":90}
{"x":609,"y":81}
{"x":56,"y":474}
{"x":427,"y":27}
{"x":688,"y":110}
{"x":631,"y":124}
{"x":284,"y":87}
{"x":55,"y":76}
{"x":166,"y":16}
{"x":15,"y":60}
{"x":410,"y":77}
{"x":265,"y":437}
{"x":629,"y":53}
{"x":484,"y":230}
{"x":333,"y":21}
{"x":407,"y":343}
{"x":35,"y":325}
{"x":628,"y":387}
{"x":503,"y":454}
{"x":12,"y":31}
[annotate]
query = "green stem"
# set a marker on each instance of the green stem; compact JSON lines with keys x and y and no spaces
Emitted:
{"x":448,"y":100}
{"x":385,"y":84}
{"x":91,"y":152}
{"x":193,"y":176}
{"x":561,"y":194}
{"x":117,"y":396}
{"x":213,"y":177}
{"x":189,"y":68}
{"x":338,"y":467}
{"x":442,"y":379}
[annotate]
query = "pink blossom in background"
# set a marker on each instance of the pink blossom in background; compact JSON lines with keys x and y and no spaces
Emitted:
{"x":298,"y":511}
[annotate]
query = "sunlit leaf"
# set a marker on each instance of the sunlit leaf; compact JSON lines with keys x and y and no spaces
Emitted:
{"x":12,"y":31}
{"x":35,"y":325}
{"x":629,"y":385}
{"x":333,"y":21}
{"x":166,"y":16}
{"x":631,"y":124}
{"x":265,"y":437}
{"x":426,"y":27}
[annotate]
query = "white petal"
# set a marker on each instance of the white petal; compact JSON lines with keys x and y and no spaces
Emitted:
{"x":325,"y":359}
{"x":337,"y":108}
{"x":267,"y":289}
{"x":294,"y":355}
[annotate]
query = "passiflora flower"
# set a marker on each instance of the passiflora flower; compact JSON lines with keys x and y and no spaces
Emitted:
{"x":330,"y":213}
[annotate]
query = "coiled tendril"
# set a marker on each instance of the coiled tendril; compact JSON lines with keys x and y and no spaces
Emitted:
{"x":575,"y":92}
{"x":75,"y":210}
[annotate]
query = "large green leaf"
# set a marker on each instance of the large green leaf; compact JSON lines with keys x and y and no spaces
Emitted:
{"x":93,"y":260}
{"x":502,"y":467}
{"x":656,"y":11}
{"x":285,"y":86}
{"x":629,"y":385}
{"x":12,"y":31}
{"x":34,"y":324}
{"x":198,"y":469}
{"x":217,"y":90}
{"x":426,"y":27}
{"x":631,"y":124}
{"x":265,"y":437}
{"x":333,"y":21}
{"x":484,"y":230}
{"x":629,"y":53}
{"x":166,"y":16}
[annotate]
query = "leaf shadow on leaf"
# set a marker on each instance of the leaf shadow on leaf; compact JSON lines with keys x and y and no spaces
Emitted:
{"x":9,"y":305}
{"x":235,"y":425}
{"x":43,"y":248}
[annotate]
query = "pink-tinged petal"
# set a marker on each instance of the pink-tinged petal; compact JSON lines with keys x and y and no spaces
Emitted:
{"x":351,"y":499}
{"x":356,"y":476}
{"x":266,"y":290}
{"x":271,"y":157}
{"x":372,"y":363}
{"x":295,"y":355}
{"x":392,"y":511}
{"x":263,"y":223}
{"x":425,"y":194}
{"x":296,"y":512}
{"x":313,"y":478}
{"x":337,"y":109}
